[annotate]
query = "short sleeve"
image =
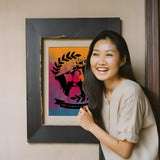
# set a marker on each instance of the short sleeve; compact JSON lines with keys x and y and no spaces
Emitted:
{"x":130,"y":118}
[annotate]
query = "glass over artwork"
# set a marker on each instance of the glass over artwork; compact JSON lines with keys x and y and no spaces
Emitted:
{"x":66,"y":74}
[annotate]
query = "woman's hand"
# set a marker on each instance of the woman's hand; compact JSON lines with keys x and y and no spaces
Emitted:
{"x":85,"y":118}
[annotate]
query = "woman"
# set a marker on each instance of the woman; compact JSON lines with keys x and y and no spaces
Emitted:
{"x":118,"y":114}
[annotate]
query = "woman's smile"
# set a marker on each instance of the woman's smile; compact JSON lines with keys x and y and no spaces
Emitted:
{"x":102,"y":69}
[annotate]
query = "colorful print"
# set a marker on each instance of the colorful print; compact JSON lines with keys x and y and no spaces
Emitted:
{"x":66,"y":68}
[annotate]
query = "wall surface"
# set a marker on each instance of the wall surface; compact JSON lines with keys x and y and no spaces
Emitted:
{"x":13,"y":141}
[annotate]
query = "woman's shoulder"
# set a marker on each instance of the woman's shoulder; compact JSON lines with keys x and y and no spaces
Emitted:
{"x":130,"y":87}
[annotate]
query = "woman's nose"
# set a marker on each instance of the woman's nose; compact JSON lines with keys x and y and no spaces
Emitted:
{"x":102,"y":60}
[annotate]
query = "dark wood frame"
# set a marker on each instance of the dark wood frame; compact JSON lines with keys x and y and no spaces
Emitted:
{"x":36,"y":31}
{"x":152,"y":55}
{"x":152,"y":78}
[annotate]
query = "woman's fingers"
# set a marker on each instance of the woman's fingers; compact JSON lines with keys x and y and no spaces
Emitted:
{"x":84,"y":111}
{"x":87,"y":110}
{"x":81,"y":113}
{"x":81,"y":110}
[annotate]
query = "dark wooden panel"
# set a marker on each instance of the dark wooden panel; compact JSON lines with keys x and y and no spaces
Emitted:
{"x":152,"y":56}
{"x":74,"y":27}
{"x":62,"y":134}
{"x":33,"y":80}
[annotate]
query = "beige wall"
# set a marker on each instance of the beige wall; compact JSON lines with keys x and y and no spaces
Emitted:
{"x":13,"y":143}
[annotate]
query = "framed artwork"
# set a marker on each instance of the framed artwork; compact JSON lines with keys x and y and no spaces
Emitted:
{"x":57,"y":84}
{"x":64,"y":62}
{"x":66,"y":68}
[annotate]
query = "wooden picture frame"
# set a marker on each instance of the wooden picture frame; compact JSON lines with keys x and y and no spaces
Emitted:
{"x":36,"y":30}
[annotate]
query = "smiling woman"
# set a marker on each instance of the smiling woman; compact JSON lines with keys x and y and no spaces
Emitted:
{"x":118,"y":114}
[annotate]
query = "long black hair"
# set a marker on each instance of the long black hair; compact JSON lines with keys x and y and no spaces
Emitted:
{"x":93,"y":87}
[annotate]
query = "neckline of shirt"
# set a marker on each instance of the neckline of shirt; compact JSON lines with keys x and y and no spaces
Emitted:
{"x":114,"y":91}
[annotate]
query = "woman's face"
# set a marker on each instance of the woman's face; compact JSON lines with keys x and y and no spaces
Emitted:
{"x":105,"y":60}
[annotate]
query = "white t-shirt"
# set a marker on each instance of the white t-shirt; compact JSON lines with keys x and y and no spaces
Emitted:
{"x":129,"y":117}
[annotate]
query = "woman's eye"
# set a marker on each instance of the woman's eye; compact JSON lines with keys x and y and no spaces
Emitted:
{"x":109,"y":55}
{"x":95,"y":54}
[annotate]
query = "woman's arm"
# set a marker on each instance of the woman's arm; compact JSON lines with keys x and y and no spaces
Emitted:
{"x":85,"y":120}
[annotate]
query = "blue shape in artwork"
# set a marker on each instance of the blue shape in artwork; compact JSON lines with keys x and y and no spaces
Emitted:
{"x":63,"y":112}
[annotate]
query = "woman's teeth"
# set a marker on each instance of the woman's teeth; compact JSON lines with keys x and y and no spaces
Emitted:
{"x":102,"y":69}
